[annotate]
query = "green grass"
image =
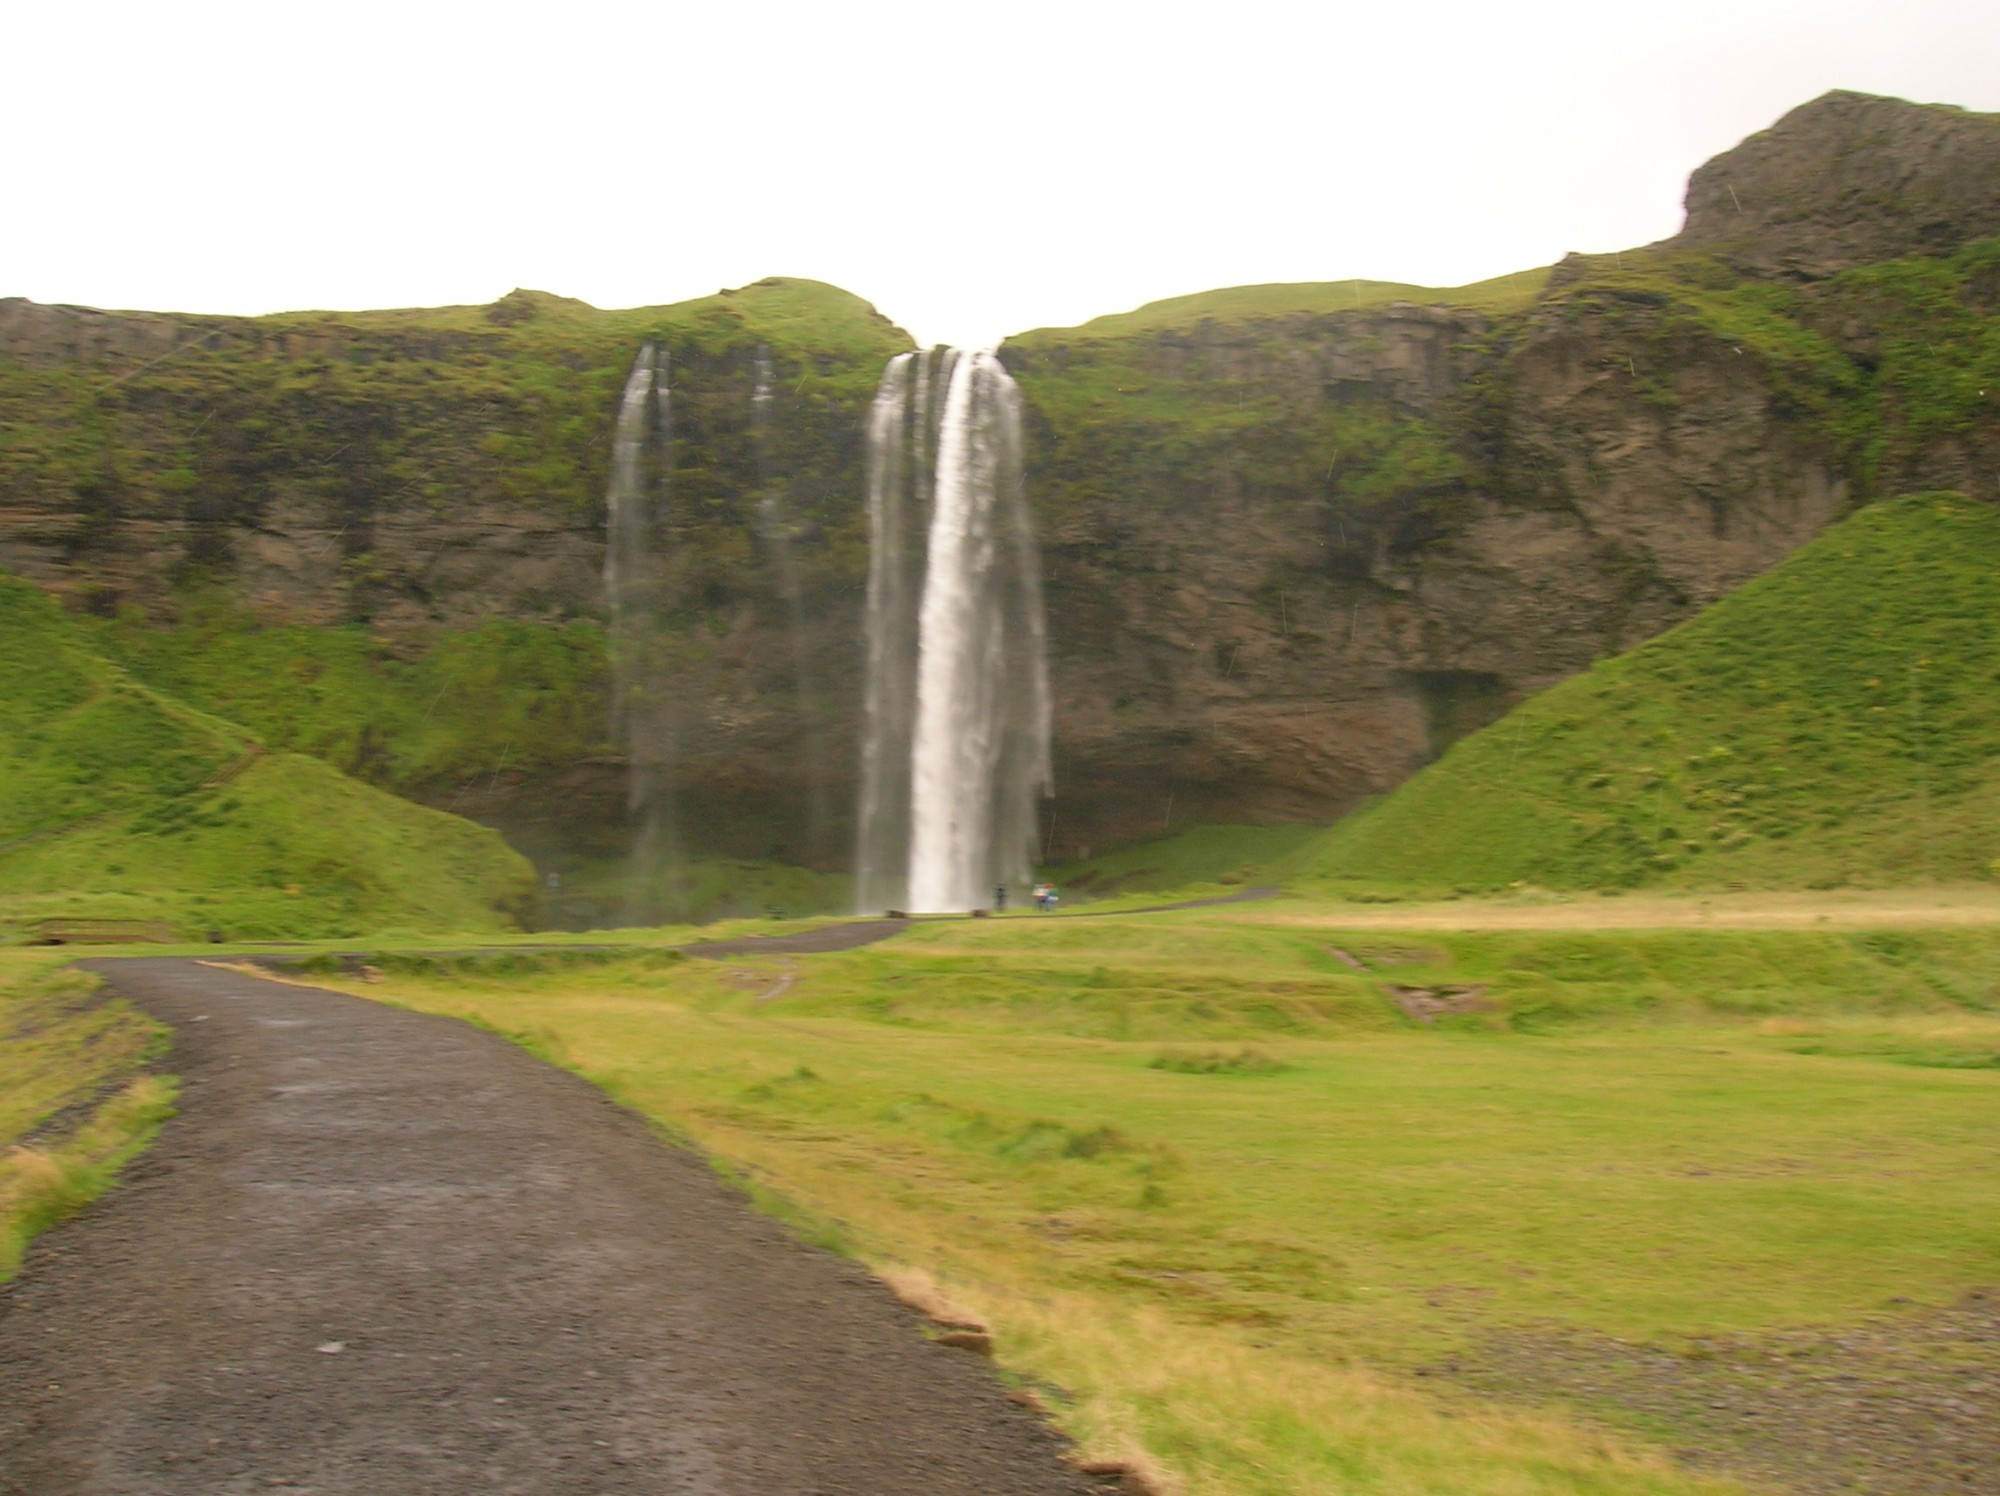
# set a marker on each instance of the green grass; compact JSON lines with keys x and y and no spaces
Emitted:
{"x":1219,"y":1196}
{"x":76,"y":1100}
{"x":1829,"y":723}
{"x":1937,"y":376}
{"x":473,"y":705}
{"x":1198,"y":861}
{"x":119,"y":801}
{"x":700,"y":889}
{"x":81,"y":739}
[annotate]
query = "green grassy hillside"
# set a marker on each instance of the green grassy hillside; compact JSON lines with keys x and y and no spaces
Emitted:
{"x":1831,"y":722}
{"x":119,"y":801}
{"x":1504,"y":293}
{"x":477,"y":703}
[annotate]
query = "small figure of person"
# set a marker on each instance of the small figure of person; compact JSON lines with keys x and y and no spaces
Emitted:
{"x":1042,"y":897}
{"x":999,"y":898}
{"x":1051,"y":899}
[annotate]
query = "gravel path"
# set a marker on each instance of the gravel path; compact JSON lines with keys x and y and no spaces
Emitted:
{"x":383,"y":1253}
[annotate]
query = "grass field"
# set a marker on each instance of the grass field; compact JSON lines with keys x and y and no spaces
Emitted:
{"x":1225,"y":1202}
{"x":76,"y":1099}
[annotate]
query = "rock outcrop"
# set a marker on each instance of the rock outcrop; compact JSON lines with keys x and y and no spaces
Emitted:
{"x":1849,"y":179}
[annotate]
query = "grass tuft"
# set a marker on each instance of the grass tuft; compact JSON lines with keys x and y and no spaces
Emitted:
{"x":75,"y":1100}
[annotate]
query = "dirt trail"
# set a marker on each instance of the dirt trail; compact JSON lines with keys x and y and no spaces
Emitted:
{"x":383,"y":1253}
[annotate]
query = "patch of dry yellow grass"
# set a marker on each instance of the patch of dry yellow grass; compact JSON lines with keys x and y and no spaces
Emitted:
{"x":43,"y":1185}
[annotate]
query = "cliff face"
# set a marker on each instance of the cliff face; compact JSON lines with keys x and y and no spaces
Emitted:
{"x":1435,"y":514}
{"x":1297,"y":539}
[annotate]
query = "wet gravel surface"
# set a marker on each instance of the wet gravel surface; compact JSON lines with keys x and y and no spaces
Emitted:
{"x":1904,"y":1404}
{"x":381,"y":1252}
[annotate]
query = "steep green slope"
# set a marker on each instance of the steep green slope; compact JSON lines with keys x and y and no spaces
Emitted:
{"x":1831,"y":722}
{"x":117,"y":801}
{"x":478,"y":703}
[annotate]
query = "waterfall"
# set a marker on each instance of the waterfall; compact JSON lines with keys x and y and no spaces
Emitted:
{"x":635,"y":508}
{"x":955,"y":746}
{"x":774,"y":528}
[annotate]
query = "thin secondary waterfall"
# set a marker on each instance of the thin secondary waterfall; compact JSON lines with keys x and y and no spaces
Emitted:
{"x":635,"y":511}
{"x":955,"y":747}
{"x":774,"y":528}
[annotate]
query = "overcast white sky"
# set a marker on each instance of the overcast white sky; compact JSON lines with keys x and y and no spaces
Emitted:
{"x":972,"y":170}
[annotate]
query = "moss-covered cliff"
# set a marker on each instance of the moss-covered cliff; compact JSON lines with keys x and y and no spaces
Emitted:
{"x":1298,"y":538}
{"x":378,"y":537}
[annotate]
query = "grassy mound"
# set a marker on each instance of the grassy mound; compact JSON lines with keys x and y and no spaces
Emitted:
{"x":1505,"y":293}
{"x":1829,"y":723}
{"x":119,"y":802}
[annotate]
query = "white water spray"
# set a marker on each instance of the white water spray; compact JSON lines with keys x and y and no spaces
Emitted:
{"x":955,"y":750}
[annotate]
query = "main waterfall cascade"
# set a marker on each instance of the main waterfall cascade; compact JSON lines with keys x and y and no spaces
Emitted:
{"x":955,"y":745}
{"x":636,"y":507}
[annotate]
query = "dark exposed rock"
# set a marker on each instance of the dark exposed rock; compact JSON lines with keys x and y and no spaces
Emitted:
{"x":1847,"y":180}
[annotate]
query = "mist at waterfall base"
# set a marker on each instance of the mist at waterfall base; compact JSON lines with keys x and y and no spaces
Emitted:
{"x":955,"y":730}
